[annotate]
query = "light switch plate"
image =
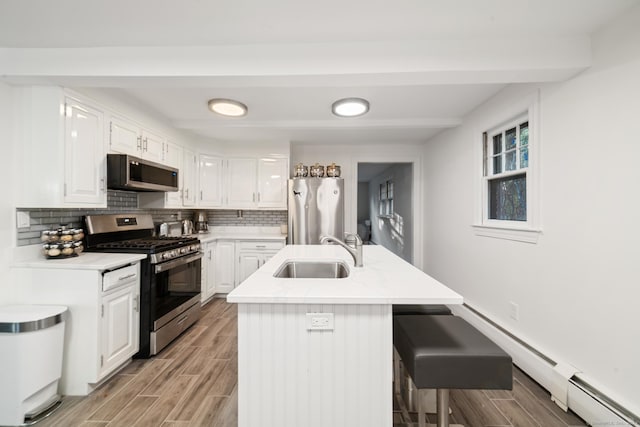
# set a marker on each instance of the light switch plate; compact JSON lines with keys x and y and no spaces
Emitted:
{"x":22,"y":219}
{"x":320,"y":321}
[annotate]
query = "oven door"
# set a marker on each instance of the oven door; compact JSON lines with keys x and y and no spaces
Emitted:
{"x":176,"y":287}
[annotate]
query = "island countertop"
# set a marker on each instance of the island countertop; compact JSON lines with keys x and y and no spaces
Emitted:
{"x":385,"y":278}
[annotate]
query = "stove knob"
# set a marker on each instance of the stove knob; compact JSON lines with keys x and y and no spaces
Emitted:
{"x":183,"y":250}
{"x":165,"y":255}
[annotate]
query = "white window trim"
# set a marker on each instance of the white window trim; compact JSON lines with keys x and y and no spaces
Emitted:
{"x":530,"y":230}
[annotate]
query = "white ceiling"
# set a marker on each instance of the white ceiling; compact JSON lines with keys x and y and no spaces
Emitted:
{"x":422,"y":64}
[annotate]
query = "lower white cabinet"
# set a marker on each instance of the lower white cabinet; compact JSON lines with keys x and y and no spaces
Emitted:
{"x":225,"y":255}
{"x":103,"y":327}
{"x":208,"y":271}
{"x":252,"y":255}
{"x":120,"y":313}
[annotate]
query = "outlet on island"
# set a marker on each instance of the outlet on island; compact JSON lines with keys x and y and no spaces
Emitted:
{"x":320,"y":321}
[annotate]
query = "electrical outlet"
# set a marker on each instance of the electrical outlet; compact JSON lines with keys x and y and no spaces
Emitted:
{"x":320,"y":321}
{"x":514,"y":311}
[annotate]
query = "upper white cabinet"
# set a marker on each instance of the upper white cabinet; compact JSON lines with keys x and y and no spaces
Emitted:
{"x":255,"y":183}
{"x":127,"y":137}
{"x":272,"y":183}
{"x":210,"y":181}
{"x":60,"y":155}
{"x":189,"y":173}
{"x":85,"y":181}
{"x":242,"y":191}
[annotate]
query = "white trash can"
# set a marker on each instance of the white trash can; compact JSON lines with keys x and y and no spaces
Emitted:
{"x":31,"y":344}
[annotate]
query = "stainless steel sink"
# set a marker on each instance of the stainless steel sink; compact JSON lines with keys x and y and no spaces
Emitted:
{"x":313,"y":270}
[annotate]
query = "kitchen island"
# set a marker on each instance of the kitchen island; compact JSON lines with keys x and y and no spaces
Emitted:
{"x":318,"y":352}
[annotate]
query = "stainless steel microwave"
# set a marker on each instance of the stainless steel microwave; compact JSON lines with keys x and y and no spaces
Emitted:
{"x":125,"y":172}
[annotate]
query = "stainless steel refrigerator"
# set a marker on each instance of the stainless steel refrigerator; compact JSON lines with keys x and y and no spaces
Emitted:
{"x":316,"y":208}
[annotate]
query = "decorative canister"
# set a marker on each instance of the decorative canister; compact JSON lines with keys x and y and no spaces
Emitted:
{"x":333,"y":170}
{"x":300,"y":171}
{"x":317,"y":170}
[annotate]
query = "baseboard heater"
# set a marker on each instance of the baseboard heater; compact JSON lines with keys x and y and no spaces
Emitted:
{"x":568,"y":390}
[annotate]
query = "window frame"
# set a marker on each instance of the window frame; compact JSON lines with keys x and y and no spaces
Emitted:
{"x":489,"y":174}
{"x":528,"y":109}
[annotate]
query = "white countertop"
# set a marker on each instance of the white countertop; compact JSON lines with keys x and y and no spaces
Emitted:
{"x":85,"y":261}
{"x":241,"y":233}
{"x":384,"y":279}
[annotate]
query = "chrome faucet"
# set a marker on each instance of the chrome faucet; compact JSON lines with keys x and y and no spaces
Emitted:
{"x":355,"y":251}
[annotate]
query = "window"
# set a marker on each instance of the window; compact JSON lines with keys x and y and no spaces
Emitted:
{"x":506,"y":161}
{"x":507,"y":204}
{"x":386,"y":199}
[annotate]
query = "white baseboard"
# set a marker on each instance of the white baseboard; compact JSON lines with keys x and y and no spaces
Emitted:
{"x":584,"y":402}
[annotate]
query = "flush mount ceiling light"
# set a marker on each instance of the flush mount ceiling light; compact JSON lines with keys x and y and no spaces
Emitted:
{"x":228,"y":107}
{"x":350,"y":107}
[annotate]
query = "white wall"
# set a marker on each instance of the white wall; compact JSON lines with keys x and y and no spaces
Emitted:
{"x":578,"y":287}
{"x":388,"y":232}
{"x":348,"y":157}
{"x":7,"y":220}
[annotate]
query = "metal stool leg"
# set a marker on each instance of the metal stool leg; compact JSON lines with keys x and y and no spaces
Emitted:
{"x":443,"y":407}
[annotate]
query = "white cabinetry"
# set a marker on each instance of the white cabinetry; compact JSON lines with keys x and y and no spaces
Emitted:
{"x":210,"y":183}
{"x":241,"y":185}
{"x":208,"y":271}
{"x":104,"y":323}
{"x":225,"y":254}
{"x":272,"y":183}
{"x":120,"y":327}
{"x":189,"y":172}
{"x":60,"y":150}
{"x":127,"y":137}
{"x":83,"y":154}
{"x":257,"y":183}
{"x":252,"y":255}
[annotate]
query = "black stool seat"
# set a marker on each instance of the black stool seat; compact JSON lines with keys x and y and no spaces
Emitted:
{"x":402,"y":309}
{"x":446,"y":352}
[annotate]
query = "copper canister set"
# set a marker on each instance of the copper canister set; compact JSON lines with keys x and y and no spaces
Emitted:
{"x":317,"y":171}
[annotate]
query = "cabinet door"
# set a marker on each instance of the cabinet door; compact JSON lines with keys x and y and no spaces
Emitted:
{"x":189,"y":172}
{"x":248,"y":263}
{"x":272,"y":183}
{"x":124,"y":137}
{"x":173,"y":158}
{"x":152,"y":146}
{"x":210,"y":181}
{"x":241,"y":187}
{"x":120,"y":327}
{"x":208,"y":272}
{"x":84,"y":155}
{"x":225,"y":266}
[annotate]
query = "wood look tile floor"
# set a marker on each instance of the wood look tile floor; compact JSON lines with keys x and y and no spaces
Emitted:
{"x":193,"y":382}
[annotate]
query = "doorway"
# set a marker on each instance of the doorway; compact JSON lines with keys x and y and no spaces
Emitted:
{"x":385,"y":206}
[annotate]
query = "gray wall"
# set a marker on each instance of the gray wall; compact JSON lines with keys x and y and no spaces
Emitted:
{"x":396,"y":233}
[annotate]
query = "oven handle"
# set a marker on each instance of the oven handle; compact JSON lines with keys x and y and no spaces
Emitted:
{"x":178,"y":262}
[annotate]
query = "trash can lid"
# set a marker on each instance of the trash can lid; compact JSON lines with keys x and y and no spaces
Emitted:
{"x":28,"y":318}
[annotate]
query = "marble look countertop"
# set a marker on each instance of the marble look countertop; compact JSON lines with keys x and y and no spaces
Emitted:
{"x":242,"y":233}
{"x":384,"y":279}
{"x":85,"y":261}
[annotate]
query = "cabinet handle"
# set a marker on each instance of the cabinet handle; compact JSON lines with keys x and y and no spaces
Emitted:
{"x":103,"y":186}
{"x":261,"y":246}
{"x":186,"y":191}
{"x":258,"y":197}
{"x":200,"y":195}
{"x":137,"y":308}
{"x":146,"y":144}
{"x":128,"y":276}
{"x":139,"y":145}
{"x":254,"y":197}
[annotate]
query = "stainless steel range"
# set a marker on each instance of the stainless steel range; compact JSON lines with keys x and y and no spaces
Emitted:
{"x":170,"y":275}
